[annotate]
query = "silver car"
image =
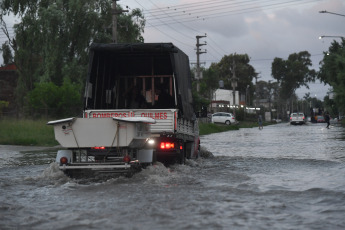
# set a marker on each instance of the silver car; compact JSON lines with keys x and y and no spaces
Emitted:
{"x":297,"y":119}
{"x":225,"y":118}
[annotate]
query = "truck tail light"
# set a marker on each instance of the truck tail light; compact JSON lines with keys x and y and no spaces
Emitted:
{"x":63,"y":160}
{"x":167,"y":145}
{"x":98,"y":147}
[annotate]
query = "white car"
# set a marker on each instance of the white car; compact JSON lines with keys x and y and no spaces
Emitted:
{"x":225,"y":118}
{"x":297,"y":119}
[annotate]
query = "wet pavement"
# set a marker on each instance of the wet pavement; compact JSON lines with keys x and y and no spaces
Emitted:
{"x":281,"y":177}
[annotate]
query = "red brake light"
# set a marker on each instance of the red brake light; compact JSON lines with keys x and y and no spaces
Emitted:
{"x":99,"y":147}
{"x":167,"y":145}
{"x":63,"y":160}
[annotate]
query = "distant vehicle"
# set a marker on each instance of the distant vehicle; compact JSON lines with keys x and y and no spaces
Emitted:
{"x":297,"y":119}
{"x":320,"y":119}
{"x":225,"y":118}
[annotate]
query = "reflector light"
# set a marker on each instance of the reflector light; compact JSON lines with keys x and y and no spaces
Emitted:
{"x":126,"y":159}
{"x":98,"y":147}
{"x":63,"y":160}
{"x":167,"y":145}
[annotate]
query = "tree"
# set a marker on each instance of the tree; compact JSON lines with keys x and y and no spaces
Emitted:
{"x":332,"y":71}
{"x":6,"y":53}
{"x":207,"y":85}
{"x":262,"y":90}
{"x":238,"y":63}
{"x":293,"y":73}
{"x":224,"y":70}
{"x":52,"y":39}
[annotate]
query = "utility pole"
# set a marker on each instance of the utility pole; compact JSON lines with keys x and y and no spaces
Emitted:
{"x":115,"y":12}
{"x":233,"y":84}
{"x":256,"y":89}
{"x":198,"y":52}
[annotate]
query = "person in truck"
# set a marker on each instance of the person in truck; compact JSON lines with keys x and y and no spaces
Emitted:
{"x":165,"y":100}
{"x":135,"y":99}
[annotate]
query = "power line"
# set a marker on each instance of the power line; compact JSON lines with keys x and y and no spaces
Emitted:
{"x":197,"y":8}
{"x":165,"y":32}
{"x":187,"y":36}
{"x":210,"y":14}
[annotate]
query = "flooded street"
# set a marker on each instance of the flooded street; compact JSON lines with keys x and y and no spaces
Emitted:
{"x":281,"y":177}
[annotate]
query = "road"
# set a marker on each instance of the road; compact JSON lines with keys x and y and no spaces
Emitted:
{"x":281,"y":177}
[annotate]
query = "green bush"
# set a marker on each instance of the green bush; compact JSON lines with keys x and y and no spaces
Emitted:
{"x":3,"y":104}
{"x":55,"y":101}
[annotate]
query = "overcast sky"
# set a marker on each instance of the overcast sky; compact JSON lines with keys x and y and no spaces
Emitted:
{"x":263,"y":29}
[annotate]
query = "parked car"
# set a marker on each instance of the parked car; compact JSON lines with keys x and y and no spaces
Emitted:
{"x":225,"y":118}
{"x":297,"y":119}
{"x":320,"y":119}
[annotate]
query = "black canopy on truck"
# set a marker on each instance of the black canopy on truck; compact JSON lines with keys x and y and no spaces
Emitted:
{"x":109,"y":62}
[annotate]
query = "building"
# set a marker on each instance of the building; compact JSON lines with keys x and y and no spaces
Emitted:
{"x":8,"y":84}
{"x":223,"y":100}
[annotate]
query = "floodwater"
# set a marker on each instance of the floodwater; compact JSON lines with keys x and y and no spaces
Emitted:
{"x":281,"y":177}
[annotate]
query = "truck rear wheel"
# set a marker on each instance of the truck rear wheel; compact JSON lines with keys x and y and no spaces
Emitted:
{"x":182,"y":157}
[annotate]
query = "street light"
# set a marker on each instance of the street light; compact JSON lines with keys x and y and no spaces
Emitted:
{"x":324,"y":36}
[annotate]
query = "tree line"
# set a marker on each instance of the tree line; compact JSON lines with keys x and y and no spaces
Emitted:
{"x":288,"y":74}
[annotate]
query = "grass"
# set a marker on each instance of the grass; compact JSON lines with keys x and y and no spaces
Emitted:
{"x":37,"y":133}
{"x":26,"y":132}
{"x":208,"y":128}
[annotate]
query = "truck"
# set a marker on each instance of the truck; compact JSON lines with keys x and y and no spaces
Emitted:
{"x":138,"y":109}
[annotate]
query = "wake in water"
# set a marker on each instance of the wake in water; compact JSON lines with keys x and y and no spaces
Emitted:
{"x":156,"y":174}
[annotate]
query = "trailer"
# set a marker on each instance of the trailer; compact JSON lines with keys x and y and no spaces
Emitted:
{"x":138,"y":109}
